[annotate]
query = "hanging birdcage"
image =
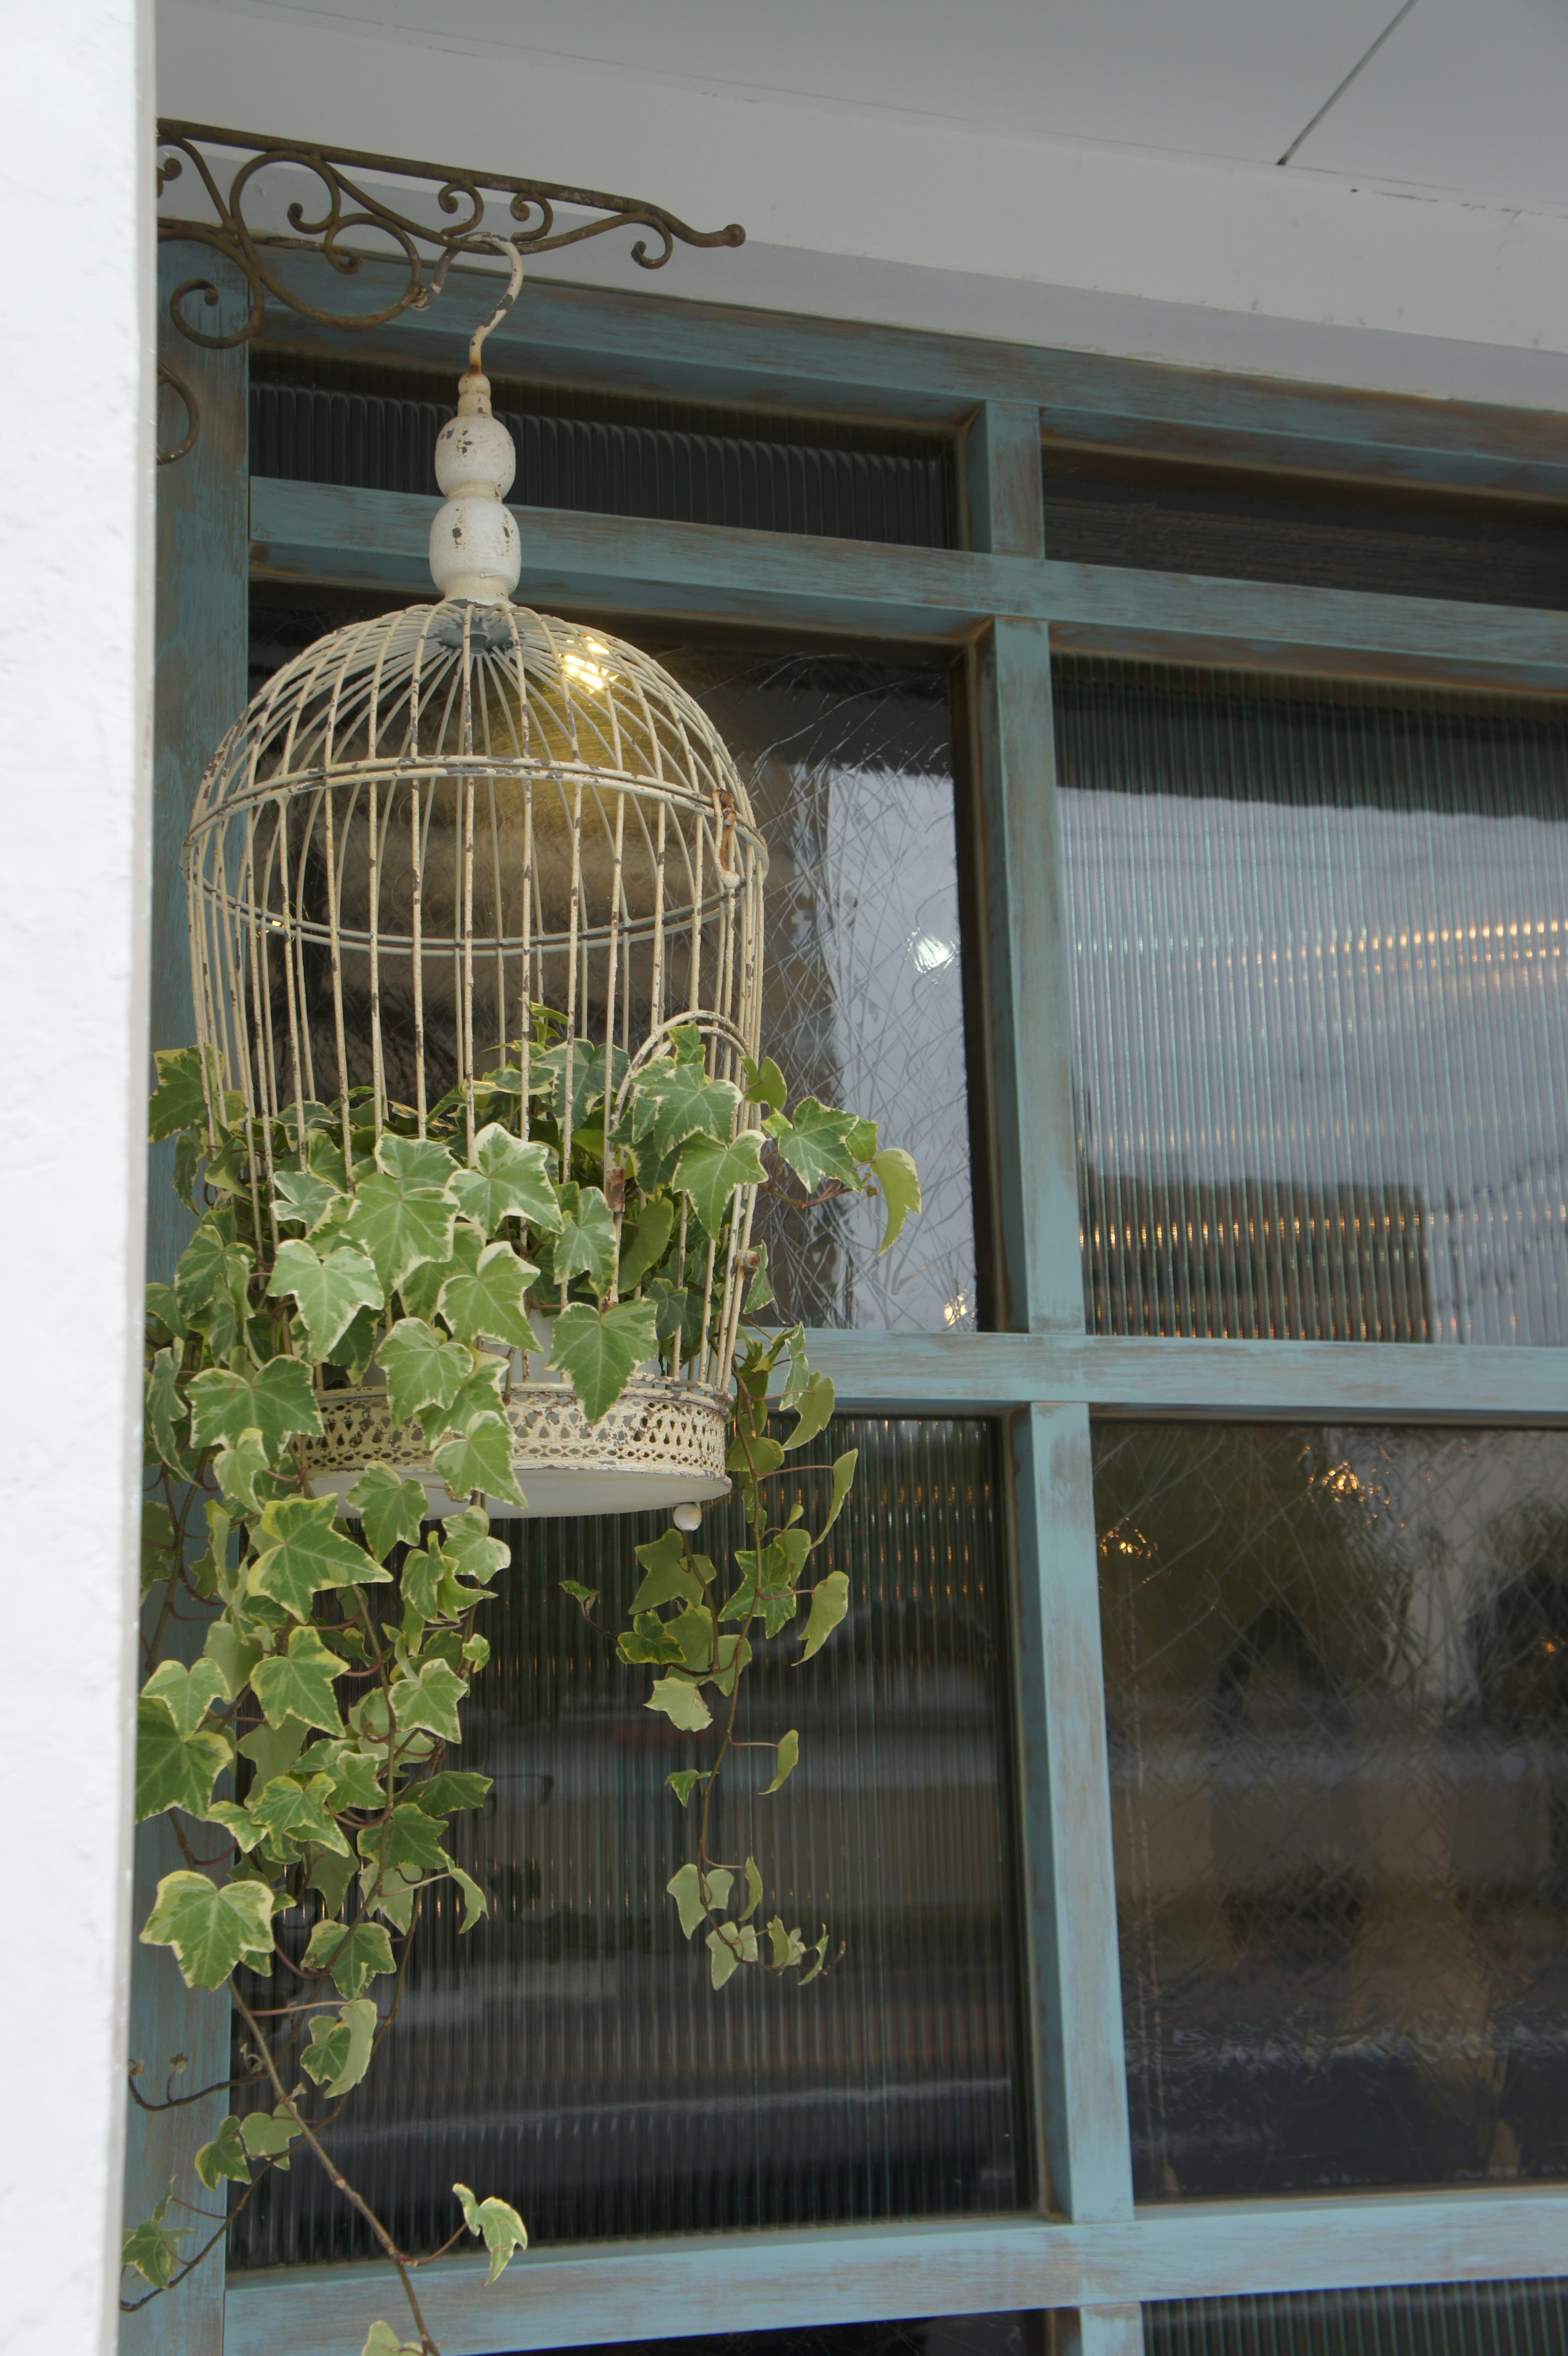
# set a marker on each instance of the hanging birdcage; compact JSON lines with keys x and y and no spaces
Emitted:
{"x":447,"y":851}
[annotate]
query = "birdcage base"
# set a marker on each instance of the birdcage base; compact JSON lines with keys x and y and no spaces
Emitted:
{"x":662,"y":1444}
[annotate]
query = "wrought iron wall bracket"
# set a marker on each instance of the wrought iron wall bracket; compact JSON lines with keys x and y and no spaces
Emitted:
{"x":351,"y":223}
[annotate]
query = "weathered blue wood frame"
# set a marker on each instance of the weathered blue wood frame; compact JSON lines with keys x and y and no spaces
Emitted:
{"x":1008,"y":604}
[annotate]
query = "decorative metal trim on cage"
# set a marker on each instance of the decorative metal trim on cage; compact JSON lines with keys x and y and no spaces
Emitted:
{"x":465,"y":873}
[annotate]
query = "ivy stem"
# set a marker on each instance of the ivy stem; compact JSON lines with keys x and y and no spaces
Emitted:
{"x":335,"y":2173}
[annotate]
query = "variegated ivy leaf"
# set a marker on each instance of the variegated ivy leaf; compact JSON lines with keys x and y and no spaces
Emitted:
{"x":414,"y":1161}
{"x":672,"y":1100}
{"x":390,"y":1506}
{"x":508,"y":1180}
{"x":178,"y":1102}
{"x":788,"y":1756}
{"x":900,"y":1184}
{"x":304,"y":1198}
{"x":815,"y":1143}
{"x":399,"y":1225}
{"x":298,"y":1683}
{"x":478,"y":1461}
{"x":729,"y":1946}
{"x":422,"y":1367}
{"x":682,"y":1703}
{"x":152,"y":2247}
{"x":224,"y":2156}
{"x":330,"y":1292}
{"x":586,"y":1244}
{"x":598,"y":1351}
{"x":497,"y":2222}
{"x":275,"y":1399}
{"x":339,"y":2053}
{"x":188,"y":1693}
{"x":175,"y":1768}
{"x":710,"y":1173}
{"x":816,"y":1406}
{"x":353,"y":1956}
{"x":292,"y":1811}
{"x":166,"y":1414}
{"x":480,"y":1393}
{"x":474,"y":1554}
{"x":210,"y":1929}
{"x":428,"y":1697}
{"x":301,"y":1550}
{"x":830,"y":1601}
{"x":642,"y":1246}
{"x":485,"y":1301}
{"x":764,"y":1083}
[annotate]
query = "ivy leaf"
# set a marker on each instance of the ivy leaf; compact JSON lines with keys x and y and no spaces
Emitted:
{"x":165,"y":1414}
{"x":475,"y":1903}
{"x":428,"y":1697}
{"x":830,"y":1601}
{"x":816,"y":1143}
{"x":391,"y":1509}
{"x":497,"y":2222}
{"x":710,"y":1173}
{"x":586,"y":1244}
{"x":267,"y":2135}
{"x":213,"y":1269}
{"x":672,"y":1100}
{"x":239,"y":1822}
{"x":487,"y":1301}
{"x":212,"y":1929}
{"x":275,"y":1399}
{"x":163,"y":1309}
{"x":480,"y":1458}
{"x":788,"y":1947}
{"x":474,"y":1554}
{"x":188,"y":1693}
{"x":330,"y":1292}
{"x":353,"y":1956}
{"x":400,"y":1226}
{"x":302,"y":1552}
{"x":339,"y":2053}
{"x":292,"y":1811}
{"x":178,"y":1102}
{"x":232,"y":1655}
{"x":421,"y":1162}
{"x":587,"y":1076}
{"x":816,"y":1405}
{"x":408,"y":1841}
{"x":682,"y":1703}
{"x":764,"y":1083}
{"x":728,"y":1947}
{"x":508,"y":1180}
{"x":355,"y":1775}
{"x":647,"y":1245}
{"x":224,"y":2156}
{"x":303,"y":1198}
{"x":843,"y":1477}
{"x":669,"y":1579}
{"x":686,"y":1888}
{"x":759,"y":1294}
{"x":382,"y":2340}
{"x":152,"y":2247}
{"x":422,"y":1369}
{"x":862,"y":1139}
{"x":598,"y":1351}
{"x":583,"y":1597}
{"x":480,"y":1393}
{"x":789,"y":1758}
{"x":244,"y":1472}
{"x":900,"y":1184}
{"x":273,"y":1751}
{"x":683,"y":1781}
{"x":753,"y":1891}
{"x":298,"y":1683}
{"x":174,"y":1769}
{"x":453,"y":1788}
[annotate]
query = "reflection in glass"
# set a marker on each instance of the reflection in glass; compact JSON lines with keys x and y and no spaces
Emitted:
{"x":569,"y":2052}
{"x":1336,"y":1687}
{"x":1320,"y":947}
{"x":849,"y":767}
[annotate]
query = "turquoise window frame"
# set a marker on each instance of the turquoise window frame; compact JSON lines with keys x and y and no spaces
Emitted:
{"x":1003,"y":603}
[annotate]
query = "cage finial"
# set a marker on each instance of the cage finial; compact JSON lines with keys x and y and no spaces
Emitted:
{"x":474,"y":547}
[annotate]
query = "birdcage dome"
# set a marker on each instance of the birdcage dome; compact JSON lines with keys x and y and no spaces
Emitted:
{"x":436,"y":844}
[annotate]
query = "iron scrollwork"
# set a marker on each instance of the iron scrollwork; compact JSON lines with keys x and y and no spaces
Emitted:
{"x":348,"y":210}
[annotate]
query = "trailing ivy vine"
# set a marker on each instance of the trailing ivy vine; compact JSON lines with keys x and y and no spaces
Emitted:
{"x":301,"y":1756}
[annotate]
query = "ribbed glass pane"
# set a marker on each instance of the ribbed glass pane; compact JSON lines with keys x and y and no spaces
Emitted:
{"x":1003,"y":2334}
{"x":1319,"y":934}
{"x":569,"y":2053}
{"x":1337,"y":1691}
{"x":1471,"y":2319}
{"x":849,"y":765}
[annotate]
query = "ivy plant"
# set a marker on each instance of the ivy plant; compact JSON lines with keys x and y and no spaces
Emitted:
{"x":303,"y":1754}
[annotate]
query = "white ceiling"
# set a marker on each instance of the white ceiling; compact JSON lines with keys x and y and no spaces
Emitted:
{"x":1465,"y":95}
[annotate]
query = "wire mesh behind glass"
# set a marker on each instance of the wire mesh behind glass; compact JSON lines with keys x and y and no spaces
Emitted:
{"x":569,"y":2053}
{"x":1320,"y":932}
{"x":1337,"y":1696}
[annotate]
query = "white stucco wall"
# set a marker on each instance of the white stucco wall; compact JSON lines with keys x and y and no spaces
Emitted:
{"x":75,"y":645}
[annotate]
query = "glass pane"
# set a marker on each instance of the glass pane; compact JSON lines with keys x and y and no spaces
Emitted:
{"x":1336,"y":1684}
{"x":569,"y":2053}
{"x":849,"y":764}
{"x":1458,"y":2319}
{"x":1322,"y":1028}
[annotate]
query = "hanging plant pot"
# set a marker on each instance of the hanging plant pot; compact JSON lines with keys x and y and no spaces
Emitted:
{"x":476,"y":918}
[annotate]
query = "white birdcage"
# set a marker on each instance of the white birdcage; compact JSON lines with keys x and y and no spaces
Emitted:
{"x":423,"y":829}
